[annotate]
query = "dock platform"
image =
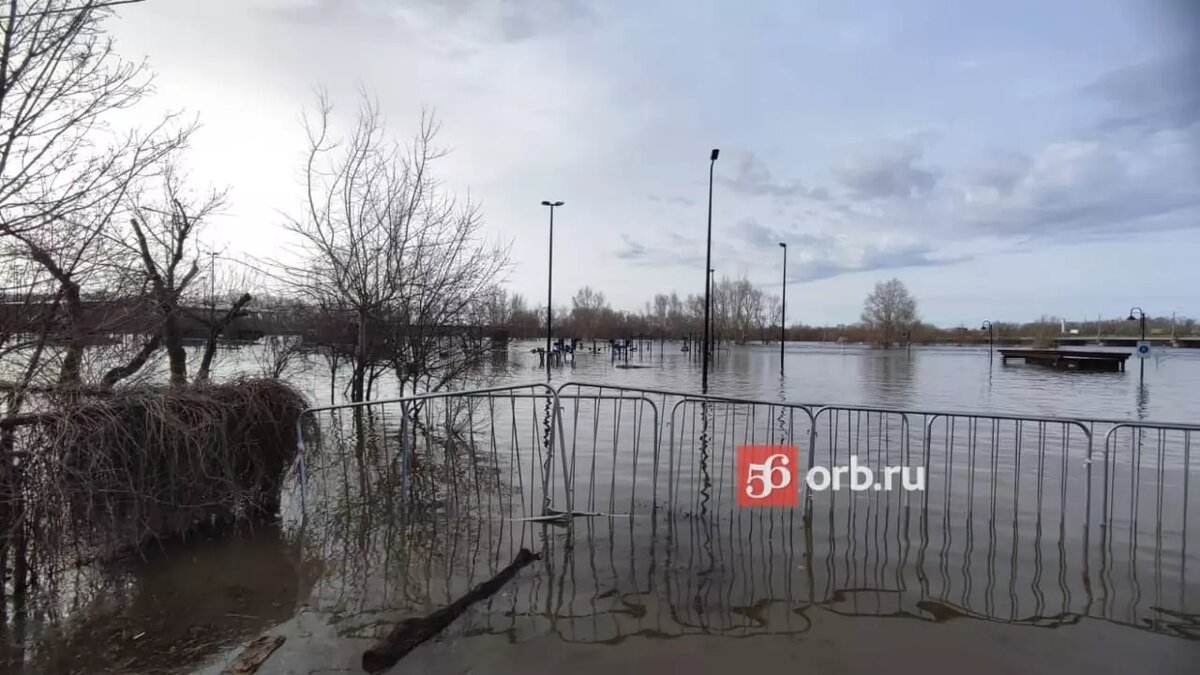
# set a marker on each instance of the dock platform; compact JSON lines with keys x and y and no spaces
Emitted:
{"x":1070,"y":359}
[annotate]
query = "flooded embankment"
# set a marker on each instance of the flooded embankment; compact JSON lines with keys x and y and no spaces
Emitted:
{"x":1035,"y":547}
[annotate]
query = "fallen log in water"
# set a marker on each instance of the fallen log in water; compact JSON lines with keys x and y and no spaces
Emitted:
{"x":412,"y":632}
{"x":254,"y":655}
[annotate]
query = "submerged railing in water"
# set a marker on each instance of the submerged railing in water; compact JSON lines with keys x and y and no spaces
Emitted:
{"x":1037,"y":521}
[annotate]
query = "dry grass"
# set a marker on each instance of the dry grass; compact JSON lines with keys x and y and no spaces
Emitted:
{"x":103,"y":475}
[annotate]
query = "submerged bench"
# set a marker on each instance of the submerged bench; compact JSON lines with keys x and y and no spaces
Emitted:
{"x":1070,"y":359}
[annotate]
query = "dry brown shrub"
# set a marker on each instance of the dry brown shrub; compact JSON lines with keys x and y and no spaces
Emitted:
{"x":101,"y":475}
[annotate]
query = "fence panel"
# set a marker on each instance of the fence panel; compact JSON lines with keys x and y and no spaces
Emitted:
{"x":1148,"y":477}
{"x":411,"y":502}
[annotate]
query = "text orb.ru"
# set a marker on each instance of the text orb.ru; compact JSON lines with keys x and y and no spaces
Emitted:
{"x":768,"y":476}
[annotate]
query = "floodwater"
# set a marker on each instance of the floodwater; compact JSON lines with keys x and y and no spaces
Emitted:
{"x":1038,"y":544}
{"x":1164,"y":387}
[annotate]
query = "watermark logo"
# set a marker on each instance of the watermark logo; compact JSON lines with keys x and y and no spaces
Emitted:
{"x":768,"y":475}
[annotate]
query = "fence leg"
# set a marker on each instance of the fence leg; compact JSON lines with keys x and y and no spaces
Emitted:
{"x":301,"y":469}
{"x":812,"y":460}
{"x":568,"y":479}
{"x":403,"y":450}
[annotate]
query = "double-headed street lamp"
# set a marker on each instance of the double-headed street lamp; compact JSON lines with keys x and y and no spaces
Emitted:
{"x":550,"y":281}
{"x":712,"y":162}
{"x":783,"y":310}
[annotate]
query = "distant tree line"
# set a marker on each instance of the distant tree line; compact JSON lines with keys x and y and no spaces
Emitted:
{"x":742,"y":314}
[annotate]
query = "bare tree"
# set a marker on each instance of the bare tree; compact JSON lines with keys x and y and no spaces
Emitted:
{"x":60,"y":83}
{"x":428,"y":331}
{"x":279,"y":354}
{"x":677,"y":317}
{"x":382,"y":246}
{"x":889,"y":310}
{"x":215,"y":323}
{"x":522,"y":320}
{"x":587,"y":309}
{"x":736,"y":308}
{"x":64,"y":169}
{"x":662,"y":314}
{"x":494,"y":308}
{"x":164,"y":234}
{"x":772,"y":313}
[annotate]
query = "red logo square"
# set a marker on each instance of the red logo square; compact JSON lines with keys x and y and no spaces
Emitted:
{"x":768,"y":475}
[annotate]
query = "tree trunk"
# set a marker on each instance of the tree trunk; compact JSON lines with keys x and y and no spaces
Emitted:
{"x":176,"y":355}
{"x":71,"y":372}
{"x":210,"y":352}
{"x":115,"y":375}
{"x":214,"y":331}
{"x":360,"y":360}
{"x":333,"y":364}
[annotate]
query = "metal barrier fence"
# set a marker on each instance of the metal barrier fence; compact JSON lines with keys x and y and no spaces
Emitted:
{"x":409,"y":502}
{"x":629,"y":495}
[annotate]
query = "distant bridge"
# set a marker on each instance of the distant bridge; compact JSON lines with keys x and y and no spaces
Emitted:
{"x":103,"y":319}
{"x":1131,"y":342}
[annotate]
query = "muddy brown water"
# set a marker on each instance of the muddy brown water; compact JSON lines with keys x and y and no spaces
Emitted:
{"x":873,"y":581}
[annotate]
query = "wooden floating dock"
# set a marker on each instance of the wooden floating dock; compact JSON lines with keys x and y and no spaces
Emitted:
{"x":1070,"y":359}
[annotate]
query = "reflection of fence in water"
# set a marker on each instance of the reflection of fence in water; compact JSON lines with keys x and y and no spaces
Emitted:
{"x":1142,"y":555}
{"x":1016,"y":524}
{"x":993,"y":534}
{"x":411,"y":502}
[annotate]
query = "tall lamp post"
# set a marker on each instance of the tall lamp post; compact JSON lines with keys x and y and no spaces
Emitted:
{"x":712,"y":162}
{"x":987,"y":325}
{"x":783,"y":309}
{"x":1141,"y":319}
{"x":550,"y":282}
{"x":712,"y":281}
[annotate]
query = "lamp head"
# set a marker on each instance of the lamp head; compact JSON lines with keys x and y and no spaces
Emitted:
{"x":715,"y":152}
{"x":1131,"y":317}
{"x":783,"y":244}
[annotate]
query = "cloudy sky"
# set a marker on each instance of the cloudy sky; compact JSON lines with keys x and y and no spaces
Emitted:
{"x":1006,"y":160}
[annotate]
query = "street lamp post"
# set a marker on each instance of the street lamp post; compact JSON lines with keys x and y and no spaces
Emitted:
{"x":1140,"y":317}
{"x":550,"y":282}
{"x":712,"y":281}
{"x":987,"y":325}
{"x":712,"y":162}
{"x":783,"y":310}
